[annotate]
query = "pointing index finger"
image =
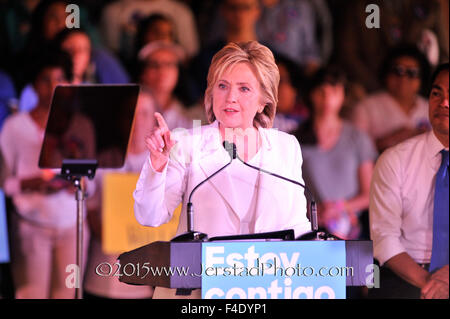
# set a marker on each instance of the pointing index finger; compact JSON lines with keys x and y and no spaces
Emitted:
{"x":161,"y":123}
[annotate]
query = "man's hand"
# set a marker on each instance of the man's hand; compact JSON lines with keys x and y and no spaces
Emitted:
{"x":437,"y":286}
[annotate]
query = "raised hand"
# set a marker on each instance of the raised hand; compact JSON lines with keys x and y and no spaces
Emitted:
{"x":159,"y":143}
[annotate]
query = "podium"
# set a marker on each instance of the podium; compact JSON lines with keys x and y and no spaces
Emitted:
{"x":183,"y":265}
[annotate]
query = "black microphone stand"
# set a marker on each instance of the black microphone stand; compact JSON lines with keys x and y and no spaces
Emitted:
{"x":191,"y":234}
{"x":315,"y":234}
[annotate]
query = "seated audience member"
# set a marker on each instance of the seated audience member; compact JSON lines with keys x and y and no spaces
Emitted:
{"x":159,"y":72}
{"x":399,"y":111}
{"x":304,"y":23}
{"x":49,"y":29}
{"x":19,"y":20}
{"x":90,"y":64}
{"x":160,"y":28}
{"x":337,"y":158}
{"x":291,"y":111}
{"x":44,"y":224}
{"x":409,"y":207}
{"x":7,"y":95}
{"x":96,"y":286}
{"x":47,"y":19}
{"x":240,"y":18}
{"x":288,"y":27}
{"x":120,"y":21}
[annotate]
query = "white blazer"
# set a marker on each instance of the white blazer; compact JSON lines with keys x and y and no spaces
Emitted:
{"x":198,"y":154}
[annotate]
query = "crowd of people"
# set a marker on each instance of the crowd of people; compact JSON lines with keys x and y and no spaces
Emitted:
{"x":348,"y":93}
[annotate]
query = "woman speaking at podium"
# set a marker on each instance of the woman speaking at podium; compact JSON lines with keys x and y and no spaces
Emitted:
{"x":240,"y":103}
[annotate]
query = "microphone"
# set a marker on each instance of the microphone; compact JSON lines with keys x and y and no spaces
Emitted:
{"x":191,"y":234}
{"x":314,"y":234}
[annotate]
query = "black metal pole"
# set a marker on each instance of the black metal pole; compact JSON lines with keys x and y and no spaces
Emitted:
{"x":80,"y":206}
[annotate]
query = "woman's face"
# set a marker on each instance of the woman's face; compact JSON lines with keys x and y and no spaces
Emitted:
{"x":78,"y":46}
{"x":161,"y":71}
{"x":46,"y":82}
{"x":236,"y":97}
{"x":54,"y":20}
{"x":328,"y":98}
{"x":403,"y":80}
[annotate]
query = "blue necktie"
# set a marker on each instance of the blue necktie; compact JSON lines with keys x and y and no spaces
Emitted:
{"x":439,"y":254}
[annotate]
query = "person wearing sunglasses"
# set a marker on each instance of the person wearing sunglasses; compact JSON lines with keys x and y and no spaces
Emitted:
{"x":399,"y":111}
{"x":408,"y":210}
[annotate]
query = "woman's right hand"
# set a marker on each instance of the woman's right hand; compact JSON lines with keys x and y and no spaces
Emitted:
{"x":159,"y":143}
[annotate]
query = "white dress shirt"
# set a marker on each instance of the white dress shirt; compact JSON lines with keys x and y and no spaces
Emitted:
{"x":402,"y":199}
{"x":20,"y":142}
{"x":223,"y":204}
{"x":370,"y":115}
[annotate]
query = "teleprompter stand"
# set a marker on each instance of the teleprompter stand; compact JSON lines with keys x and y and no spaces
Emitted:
{"x":74,"y":171}
{"x":88,"y":128}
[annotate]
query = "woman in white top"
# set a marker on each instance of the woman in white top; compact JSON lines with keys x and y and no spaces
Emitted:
{"x":44,"y":223}
{"x":240,"y":103}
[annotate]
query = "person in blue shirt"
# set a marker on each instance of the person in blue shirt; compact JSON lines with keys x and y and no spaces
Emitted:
{"x":7,"y":95}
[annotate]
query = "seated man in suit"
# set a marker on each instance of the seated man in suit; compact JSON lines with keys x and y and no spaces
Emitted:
{"x":409,"y":208}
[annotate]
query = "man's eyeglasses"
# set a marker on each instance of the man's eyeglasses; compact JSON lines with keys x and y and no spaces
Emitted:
{"x":412,"y":73}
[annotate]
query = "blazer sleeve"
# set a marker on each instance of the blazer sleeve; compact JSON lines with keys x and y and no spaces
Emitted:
{"x":158,"y":194}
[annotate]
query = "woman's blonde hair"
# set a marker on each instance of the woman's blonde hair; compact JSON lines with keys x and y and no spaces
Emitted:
{"x":261,"y":60}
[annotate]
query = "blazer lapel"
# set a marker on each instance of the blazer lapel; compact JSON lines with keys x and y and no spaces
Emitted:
{"x":213,"y":157}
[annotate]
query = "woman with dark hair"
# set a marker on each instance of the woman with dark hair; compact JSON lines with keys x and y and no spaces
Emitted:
{"x":398,"y":112}
{"x":337,"y":158}
{"x":102,"y":66}
{"x":49,"y":30}
{"x":159,"y":69}
{"x":77,"y":44}
{"x":47,"y":19}
{"x":43,"y":226}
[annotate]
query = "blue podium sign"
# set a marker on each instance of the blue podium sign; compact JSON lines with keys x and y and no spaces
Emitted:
{"x":279,"y":270}
{"x":4,"y":248}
